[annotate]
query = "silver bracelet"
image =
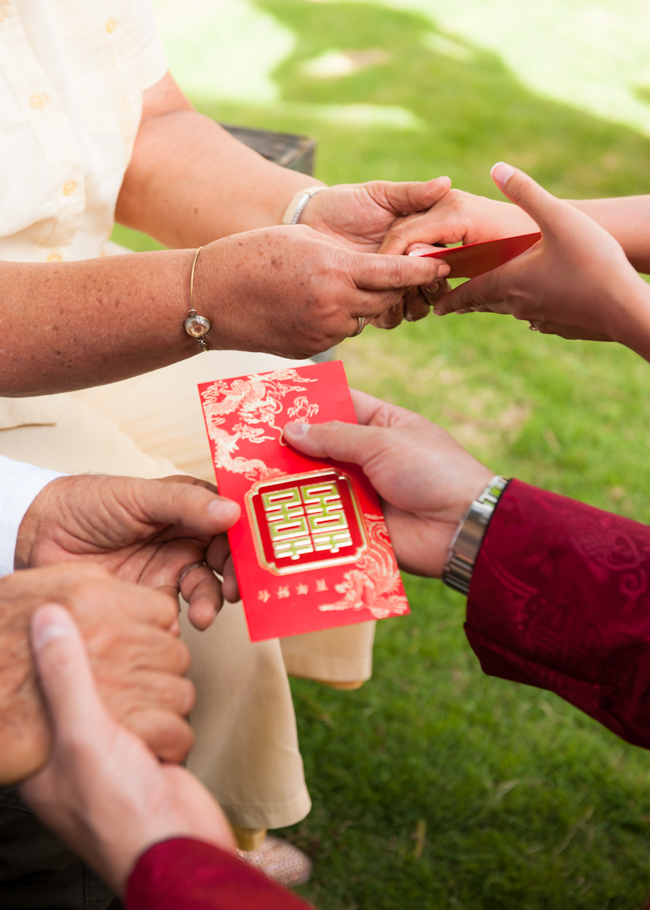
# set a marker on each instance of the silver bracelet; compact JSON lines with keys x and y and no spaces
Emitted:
{"x":467,"y":540}
{"x":297,"y":205}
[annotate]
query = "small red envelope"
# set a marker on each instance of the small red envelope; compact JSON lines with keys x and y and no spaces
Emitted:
{"x":311,"y":550}
{"x":475,"y":258}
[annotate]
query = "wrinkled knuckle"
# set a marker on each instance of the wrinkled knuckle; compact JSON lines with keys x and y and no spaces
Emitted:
{"x":166,"y":607}
{"x":167,"y":735}
{"x":183,"y":656}
{"x":395,"y":274}
{"x":523,"y":193}
{"x":106,"y":640}
{"x":456,"y":199}
{"x":335,"y":427}
{"x":400,"y":230}
{"x":181,"y":697}
{"x":467,"y":300}
{"x":179,"y":744}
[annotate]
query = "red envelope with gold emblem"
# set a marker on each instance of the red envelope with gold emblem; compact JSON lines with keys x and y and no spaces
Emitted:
{"x":311,"y":550}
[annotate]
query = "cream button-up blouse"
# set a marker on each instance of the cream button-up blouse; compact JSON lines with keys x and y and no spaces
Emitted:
{"x":72,"y":74}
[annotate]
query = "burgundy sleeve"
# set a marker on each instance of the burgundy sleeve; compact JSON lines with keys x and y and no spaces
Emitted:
{"x":559,"y":599}
{"x":182,"y":873}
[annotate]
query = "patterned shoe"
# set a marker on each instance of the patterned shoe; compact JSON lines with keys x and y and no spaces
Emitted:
{"x":280,"y":861}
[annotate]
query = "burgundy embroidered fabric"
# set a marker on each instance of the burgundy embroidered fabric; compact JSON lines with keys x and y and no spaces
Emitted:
{"x":182,"y":873}
{"x":559,"y":599}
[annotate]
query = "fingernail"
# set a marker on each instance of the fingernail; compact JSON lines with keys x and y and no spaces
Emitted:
{"x":298,"y":429}
{"x":433,"y":287}
{"x":397,"y":309}
{"x":423,"y":252}
{"x":223,"y":508}
{"x":49,"y":623}
{"x":501,"y":173}
{"x":437,"y":311}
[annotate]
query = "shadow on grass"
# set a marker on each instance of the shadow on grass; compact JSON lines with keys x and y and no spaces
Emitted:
{"x":468,"y":109}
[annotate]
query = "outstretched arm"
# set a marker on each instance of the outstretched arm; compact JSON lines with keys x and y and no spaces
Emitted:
{"x":575,"y":282}
{"x":461,"y":217}
{"x":190,"y":182}
{"x":557,"y":596}
{"x":288,"y":291}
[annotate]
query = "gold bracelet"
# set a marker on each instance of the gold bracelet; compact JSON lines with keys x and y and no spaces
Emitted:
{"x":195,"y":325}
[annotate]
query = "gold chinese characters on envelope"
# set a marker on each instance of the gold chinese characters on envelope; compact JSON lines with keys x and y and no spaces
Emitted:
{"x":311,"y":550}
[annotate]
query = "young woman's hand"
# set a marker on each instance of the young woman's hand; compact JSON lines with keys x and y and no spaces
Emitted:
{"x":575,"y":282}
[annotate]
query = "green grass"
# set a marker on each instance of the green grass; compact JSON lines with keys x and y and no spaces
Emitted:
{"x":528,"y":805}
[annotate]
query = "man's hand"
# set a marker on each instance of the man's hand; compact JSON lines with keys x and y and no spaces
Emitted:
{"x":137,"y":661}
{"x":143,"y":531}
{"x":102,"y":791}
{"x":575,"y":282}
{"x":360,"y":215}
{"x":291,"y":291}
{"x":426,"y":479}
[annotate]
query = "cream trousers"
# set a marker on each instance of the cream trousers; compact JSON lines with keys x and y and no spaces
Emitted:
{"x":246,"y":749}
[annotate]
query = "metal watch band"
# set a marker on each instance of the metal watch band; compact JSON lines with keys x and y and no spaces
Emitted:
{"x":297,"y":205}
{"x":469,"y":535}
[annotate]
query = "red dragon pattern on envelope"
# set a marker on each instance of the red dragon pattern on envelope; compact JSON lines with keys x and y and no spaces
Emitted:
{"x":311,"y":550}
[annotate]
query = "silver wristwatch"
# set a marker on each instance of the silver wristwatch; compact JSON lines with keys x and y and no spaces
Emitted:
{"x":468,"y":538}
{"x":297,"y":205}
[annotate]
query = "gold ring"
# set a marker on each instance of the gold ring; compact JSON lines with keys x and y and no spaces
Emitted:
{"x":359,"y":328}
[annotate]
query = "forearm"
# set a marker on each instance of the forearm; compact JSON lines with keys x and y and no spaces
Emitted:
{"x":633,"y":329}
{"x":628,"y":220}
{"x":78,"y":324}
{"x":189,"y":182}
{"x":557,"y":601}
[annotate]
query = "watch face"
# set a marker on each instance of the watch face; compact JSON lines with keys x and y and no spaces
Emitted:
{"x":306,"y":521}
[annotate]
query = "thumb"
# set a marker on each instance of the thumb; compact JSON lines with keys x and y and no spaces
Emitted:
{"x":340,"y":441}
{"x":537,"y":202}
{"x":64,"y":672}
{"x":482,"y":291}
{"x":381,"y":273}
{"x":410,"y":196}
{"x":190,"y":505}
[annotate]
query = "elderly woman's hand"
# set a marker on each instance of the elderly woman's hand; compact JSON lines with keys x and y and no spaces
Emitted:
{"x":294,"y":292}
{"x":361,"y":215}
{"x":575,"y":282}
